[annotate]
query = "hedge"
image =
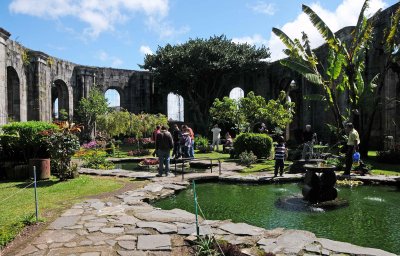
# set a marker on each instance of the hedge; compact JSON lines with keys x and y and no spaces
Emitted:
{"x":260,"y":144}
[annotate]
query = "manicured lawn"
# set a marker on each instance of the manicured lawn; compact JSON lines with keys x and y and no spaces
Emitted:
{"x":381,"y":168}
{"x":213,"y":155}
{"x":53,"y":196}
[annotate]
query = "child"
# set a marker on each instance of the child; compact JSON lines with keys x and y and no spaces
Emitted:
{"x":280,"y":153}
{"x":185,"y":143}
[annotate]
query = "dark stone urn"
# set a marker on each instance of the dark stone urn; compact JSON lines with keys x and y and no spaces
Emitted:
{"x":319,"y":183}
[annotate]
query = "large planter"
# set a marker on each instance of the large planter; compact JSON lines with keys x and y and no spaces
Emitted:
{"x":42,"y":168}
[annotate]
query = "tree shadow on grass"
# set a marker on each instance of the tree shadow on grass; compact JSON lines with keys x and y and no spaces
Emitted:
{"x":40,"y":183}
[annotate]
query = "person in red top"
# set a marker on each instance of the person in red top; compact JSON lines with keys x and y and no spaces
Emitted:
{"x":155,"y":132}
{"x":191,"y":134}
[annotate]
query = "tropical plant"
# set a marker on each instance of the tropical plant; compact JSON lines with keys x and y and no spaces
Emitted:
{"x":199,"y":68}
{"x":62,"y":144}
{"x":202,"y":144}
{"x":345,"y":66}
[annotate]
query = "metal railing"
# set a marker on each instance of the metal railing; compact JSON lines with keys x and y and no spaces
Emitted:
{"x":194,"y":159}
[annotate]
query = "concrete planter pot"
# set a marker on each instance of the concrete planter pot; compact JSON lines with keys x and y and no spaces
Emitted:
{"x":42,"y":168}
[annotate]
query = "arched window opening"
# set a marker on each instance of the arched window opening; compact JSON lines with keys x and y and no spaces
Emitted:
{"x":13,"y":95}
{"x":236,"y":93}
{"x":60,"y":100}
{"x":175,"y":107}
{"x":113,"y":98}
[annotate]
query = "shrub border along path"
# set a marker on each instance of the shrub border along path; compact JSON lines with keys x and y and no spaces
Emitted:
{"x":128,"y":225}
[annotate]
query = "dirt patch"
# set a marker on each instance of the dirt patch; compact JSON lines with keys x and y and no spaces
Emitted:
{"x":29,"y":233}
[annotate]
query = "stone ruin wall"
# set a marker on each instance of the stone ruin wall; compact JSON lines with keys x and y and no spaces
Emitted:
{"x":39,"y":78}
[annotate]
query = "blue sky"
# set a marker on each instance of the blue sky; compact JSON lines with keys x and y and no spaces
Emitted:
{"x":117,"y":33}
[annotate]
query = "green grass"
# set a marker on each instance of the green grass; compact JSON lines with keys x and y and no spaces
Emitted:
{"x":213,"y":155}
{"x":381,"y":168}
{"x":19,"y":209}
{"x":264,"y":166}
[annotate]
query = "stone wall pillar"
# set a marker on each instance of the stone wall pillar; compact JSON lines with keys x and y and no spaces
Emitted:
{"x":42,"y":85}
{"x":4,"y":35}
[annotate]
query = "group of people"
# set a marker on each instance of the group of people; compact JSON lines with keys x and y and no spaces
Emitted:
{"x":309,"y":138}
{"x":353,"y":141}
{"x":181,"y":141}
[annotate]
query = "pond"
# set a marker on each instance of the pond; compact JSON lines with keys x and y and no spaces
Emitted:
{"x":372,"y":218}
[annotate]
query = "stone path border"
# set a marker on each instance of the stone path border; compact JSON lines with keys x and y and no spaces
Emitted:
{"x":128,"y":225}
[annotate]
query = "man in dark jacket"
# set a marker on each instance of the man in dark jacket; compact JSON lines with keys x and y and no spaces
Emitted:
{"x":164,"y":144}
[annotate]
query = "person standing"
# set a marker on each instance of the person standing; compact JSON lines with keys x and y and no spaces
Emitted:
{"x":155,"y":132}
{"x":191,"y":134}
{"x":216,"y":137}
{"x":280,"y":154}
{"x":164,"y":144}
{"x":176,"y":135}
{"x":185,"y":143}
{"x":352,"y":146}
{"x":308,"y":139}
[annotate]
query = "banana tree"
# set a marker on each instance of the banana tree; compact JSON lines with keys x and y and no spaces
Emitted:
{"x":304,"y":61}
{"x":352,"y":56}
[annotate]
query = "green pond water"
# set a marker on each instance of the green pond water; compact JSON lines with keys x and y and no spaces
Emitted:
{"x":372,"y":218}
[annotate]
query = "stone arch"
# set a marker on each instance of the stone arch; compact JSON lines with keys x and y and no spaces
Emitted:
{"x":13,"y":94}
{"x":113,"y":97}
{"x":120,"y":93}
{"x":60,"y":98}
{"x":175,"y":107}
{"x":236,"y":93}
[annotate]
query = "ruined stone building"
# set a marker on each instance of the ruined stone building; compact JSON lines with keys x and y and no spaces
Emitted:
{"x":31,"y":81}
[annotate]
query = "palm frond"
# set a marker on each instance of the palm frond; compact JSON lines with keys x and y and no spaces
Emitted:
{"x":284,"y":38}
{"x":321,"y":26}
{"x":297,"y":65}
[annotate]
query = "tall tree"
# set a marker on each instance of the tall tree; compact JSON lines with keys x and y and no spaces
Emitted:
{"x":90,"y":108}
{"x":199,"y":68}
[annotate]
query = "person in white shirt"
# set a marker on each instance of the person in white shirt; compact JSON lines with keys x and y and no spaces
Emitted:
{"x":216,"y":136}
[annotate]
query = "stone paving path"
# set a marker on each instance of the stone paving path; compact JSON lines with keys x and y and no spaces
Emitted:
{"x":128,"y":225}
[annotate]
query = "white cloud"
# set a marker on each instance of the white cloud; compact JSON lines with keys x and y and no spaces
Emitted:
{"x":112,"y":61}
{"x":255,"y":39}
{"x":99,"y":15}
{"x":144,"y":49}
{"x":263,"y":7}
{"x":164,"y":28}
{"x":346,"y":14}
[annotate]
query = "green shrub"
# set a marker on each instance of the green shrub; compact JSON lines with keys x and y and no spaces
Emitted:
{"x":61,"y":147}
{"x":24,"y":140}
{"x":260,"y":144}
{"x":96,"y":159}
{"x":202,"y":144}
{"x":247,"y":158}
